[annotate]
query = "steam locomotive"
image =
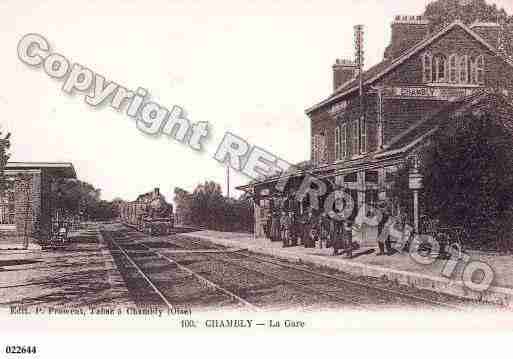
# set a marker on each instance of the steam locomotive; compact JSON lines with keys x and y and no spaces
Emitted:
{"x":149,"y":213}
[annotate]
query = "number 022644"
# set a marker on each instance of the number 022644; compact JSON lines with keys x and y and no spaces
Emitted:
{"x":20,"y":349}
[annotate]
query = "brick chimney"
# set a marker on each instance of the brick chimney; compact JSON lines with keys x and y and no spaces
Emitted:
{"x":489,"y":31}
{"x":343,"y":71}
{"x":407,"y":31}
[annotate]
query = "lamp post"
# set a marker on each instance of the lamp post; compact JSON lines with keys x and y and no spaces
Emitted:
{"x":415,"y":184}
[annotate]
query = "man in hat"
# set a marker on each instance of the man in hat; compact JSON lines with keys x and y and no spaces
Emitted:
{"x":307,"y":228}
{"x":275,"y":225}
{"x":287,"y":224}
{"x":337,"y":234}
{"x":324,"y":229}
{"x":283,"y":219}
{"x":383,"y":237}
{"x":294,"y":229}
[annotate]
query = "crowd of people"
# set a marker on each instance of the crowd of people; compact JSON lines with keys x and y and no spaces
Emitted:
{"x":310,"y":231}
{"x":321,"y":230}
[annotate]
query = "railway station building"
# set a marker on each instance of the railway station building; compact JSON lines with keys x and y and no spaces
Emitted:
{"x":26,"y":204}
{"x":426,"y":76}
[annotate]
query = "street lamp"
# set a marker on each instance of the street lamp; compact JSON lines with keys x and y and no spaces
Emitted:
{"x":415,"y":184}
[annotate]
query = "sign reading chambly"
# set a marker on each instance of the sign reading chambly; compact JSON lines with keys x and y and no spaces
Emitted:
{"x":429,"y":92}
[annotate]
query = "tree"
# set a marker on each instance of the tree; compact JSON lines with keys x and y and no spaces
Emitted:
{"x":206,"y":207}
{"x":207,"y":204}
{"x":183,"y":206}
{"x":5,"y":144}
{"x":443,"y":12}
{"x":467,"y":174}
{"x":73,"y":197}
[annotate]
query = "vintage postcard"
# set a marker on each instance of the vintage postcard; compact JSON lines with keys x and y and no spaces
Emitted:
{"x":255,"y":167}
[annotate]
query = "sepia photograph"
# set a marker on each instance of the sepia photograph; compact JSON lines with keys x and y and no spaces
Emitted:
{"x":268,"y":168}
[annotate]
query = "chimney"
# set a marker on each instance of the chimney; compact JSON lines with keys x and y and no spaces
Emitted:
{"x":407,"y":31}
{"x":489,"y":31}
{"x":156,"y":191}
{"x":343,"y":71}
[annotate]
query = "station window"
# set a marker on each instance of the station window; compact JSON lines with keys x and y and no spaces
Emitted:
{"x":456,"y":69}
{"x":464,"y":65}
{"x":355,"y":138}
{"x":340,"y":142}
{"x":453,"y":69}
{"x":343,"y":140}
{"x":427,"y":62}
{"x":480,"y":68}
{"x":337,"y":143}
{"x":439,"y":68}
{"x":363,"y":136}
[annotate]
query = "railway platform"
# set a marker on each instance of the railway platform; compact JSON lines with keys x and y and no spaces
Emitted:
{"x":399,"y":267}
{"x":79,"y":275}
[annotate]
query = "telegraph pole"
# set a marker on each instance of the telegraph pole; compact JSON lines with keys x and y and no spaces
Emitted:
{"x":228,"y":181}
{"x":359,"y":57}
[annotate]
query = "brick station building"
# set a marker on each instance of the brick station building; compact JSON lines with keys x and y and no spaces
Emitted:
{"x":26,"y":205}
{"x":424,"y":76}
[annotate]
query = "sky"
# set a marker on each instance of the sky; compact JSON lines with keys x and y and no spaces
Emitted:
{"x":248,"y":67}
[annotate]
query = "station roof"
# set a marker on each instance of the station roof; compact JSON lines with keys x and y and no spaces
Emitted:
{"x":60,"y":169}
{"x":411,"y":138}
{"x":379,"y":70}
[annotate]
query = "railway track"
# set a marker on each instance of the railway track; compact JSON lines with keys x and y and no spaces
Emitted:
{"x":159,"y":289}
{"x":333,"y":287}
{"x":338,"y":282}
{"x":263,"y":281}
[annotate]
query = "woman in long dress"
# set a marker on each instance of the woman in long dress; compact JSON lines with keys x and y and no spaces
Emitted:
{"x":337,"y":230}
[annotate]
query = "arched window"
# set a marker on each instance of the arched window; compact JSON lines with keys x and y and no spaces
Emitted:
{"x":427,"y":65}
{"x":453,"y":68}
{"x":480,"y":65}
{"x":464,"y":69}
{"x":439,"y":68}
{"x":472,"y":70}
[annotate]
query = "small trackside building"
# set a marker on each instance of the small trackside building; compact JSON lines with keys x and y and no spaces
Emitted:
{"x":425,"y":76}
{"x":26,"y":204}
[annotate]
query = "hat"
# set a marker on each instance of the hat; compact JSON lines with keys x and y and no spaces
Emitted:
{"x":383,"y":204}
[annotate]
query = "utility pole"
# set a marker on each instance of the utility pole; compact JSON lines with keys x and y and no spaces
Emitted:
{"x":359,"y":57}
{"x":228,"y":181}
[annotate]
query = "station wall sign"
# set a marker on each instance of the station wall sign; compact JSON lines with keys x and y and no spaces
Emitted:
{"x":429,"y":92}
{"x":415,"y":180}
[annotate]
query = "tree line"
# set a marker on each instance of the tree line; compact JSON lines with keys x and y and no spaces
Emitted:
{"x":207,"y":207}
{"x":73,"y":197}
